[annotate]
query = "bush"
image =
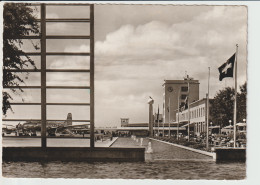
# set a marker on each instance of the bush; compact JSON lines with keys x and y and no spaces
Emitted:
{"x":198,"y":146}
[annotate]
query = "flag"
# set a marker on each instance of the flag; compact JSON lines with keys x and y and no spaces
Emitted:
{"x":186,"y":102}
{"x":163,"y":110}
{"x":180,"y":107}
{"x":227,"y":69}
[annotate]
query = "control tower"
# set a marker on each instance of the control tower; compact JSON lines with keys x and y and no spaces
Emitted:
{"x":171,"y":90}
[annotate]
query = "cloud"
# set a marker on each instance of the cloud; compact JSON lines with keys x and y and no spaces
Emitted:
{"x":133,"y":60}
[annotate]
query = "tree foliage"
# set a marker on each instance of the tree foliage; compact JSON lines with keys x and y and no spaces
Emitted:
{"x":222,"y":109}
{"x":19,"y":20}
{"x":241,"y":103}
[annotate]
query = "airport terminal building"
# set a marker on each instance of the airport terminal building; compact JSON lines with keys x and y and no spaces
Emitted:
{"x":198,"y":116}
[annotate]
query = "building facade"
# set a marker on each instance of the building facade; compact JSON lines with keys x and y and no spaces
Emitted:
{"x":198,"y":116}
{"x":171,"y":89}
{"x":124,"y":122}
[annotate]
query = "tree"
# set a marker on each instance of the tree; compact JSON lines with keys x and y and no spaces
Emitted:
{"x":222,"y":109}
{"x":18,"y":21}
{"x":241,"y":103}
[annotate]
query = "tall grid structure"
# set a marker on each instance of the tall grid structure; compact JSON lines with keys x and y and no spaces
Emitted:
{"x":43,"y":71}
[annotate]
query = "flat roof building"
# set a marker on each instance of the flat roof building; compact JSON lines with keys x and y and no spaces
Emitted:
{"x":198,"y":116}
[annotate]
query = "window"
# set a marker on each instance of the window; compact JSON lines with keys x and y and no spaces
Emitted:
{"x":183,"y":96}
{"x":184,"y":89}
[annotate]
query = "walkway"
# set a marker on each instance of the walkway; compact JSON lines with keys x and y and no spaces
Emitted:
{"x":162,"y":151}
{"x":53,"y":142}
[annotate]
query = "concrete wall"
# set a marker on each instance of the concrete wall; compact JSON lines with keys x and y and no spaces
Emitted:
{"x":72,"y":154}
{"x":230,"y":154}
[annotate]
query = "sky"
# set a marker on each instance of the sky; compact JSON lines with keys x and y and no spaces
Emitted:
{"x":137,"y":47}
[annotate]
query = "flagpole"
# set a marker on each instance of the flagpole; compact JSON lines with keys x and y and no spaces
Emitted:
{"x":178,"y":114}
{"x":235,"y":99}
{"x":169,"y":116}
{"x":163,"y":118}
{"x":158,"y":120}
{"x":154,"y":125}
{"x":207,"y":141}
{"x":188,"y":110}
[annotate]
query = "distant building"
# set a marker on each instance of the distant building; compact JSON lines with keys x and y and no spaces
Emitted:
{"x":171,"y":90}
{"x":198,"y":116}
{"x":124,"y":122}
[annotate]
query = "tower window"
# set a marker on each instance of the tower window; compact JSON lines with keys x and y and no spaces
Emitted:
{"x":184,"y":89}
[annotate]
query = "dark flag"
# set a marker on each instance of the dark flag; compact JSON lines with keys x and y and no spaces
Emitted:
{"x":186,"y":103}
{"x":227,"y":69}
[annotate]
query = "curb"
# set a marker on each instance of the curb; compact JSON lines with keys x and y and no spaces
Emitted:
{"x":113,"y":141}
{"x":213,"y":155}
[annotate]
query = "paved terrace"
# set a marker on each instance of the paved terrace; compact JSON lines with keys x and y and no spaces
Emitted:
{"x":162,"y":151}
{"x":53,"y":142}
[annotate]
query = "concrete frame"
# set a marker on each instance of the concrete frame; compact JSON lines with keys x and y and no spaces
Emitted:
{"x":43,"y":37}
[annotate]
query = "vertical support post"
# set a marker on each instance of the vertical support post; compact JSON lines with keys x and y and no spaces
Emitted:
{"x":178,"y":123}
{"x":163,"y":118}
{"x":188,"y":110}
{"x":43,"y":76}
{"x":235,"y":99}
{"x":207,"y":120}
{"x":158,"y":124}
{"x":92,"y":98}
{"x":169,"y":117}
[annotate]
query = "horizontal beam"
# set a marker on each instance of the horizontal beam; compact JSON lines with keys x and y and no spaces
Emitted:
{"x":76,"y":20}
{"x":67,"y":37}
{"x":23,"y":103}
{"x":22,"y":87}
{"x":48,"y":87}
{"x":68,"y":70}
{"x":47,"y":120}
{"x":68,"y":87}
{"x":25,"y":37}
{"x":59,"y":4}
{"x":67,"y":53}
{"x":48,"y":70}
{"x":67,"y":4}
{"x":58,"y":53}
{"x":22,"y":70}
{"x":73,"y":104}
{"x":21,"y":120}
{"x":54,"y":37}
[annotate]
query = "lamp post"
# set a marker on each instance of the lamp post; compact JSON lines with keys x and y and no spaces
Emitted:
{"x":211,"y":127}
{"x":230,"y":122}
{"x":178,"y":115}
{"x":244,"y":120}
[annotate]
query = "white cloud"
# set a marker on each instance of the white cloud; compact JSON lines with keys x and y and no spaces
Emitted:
{"x":132,"y":62}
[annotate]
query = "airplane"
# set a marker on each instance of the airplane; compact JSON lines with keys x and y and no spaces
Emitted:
{"x":53,"y":128}
{"x":8,"y":129}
